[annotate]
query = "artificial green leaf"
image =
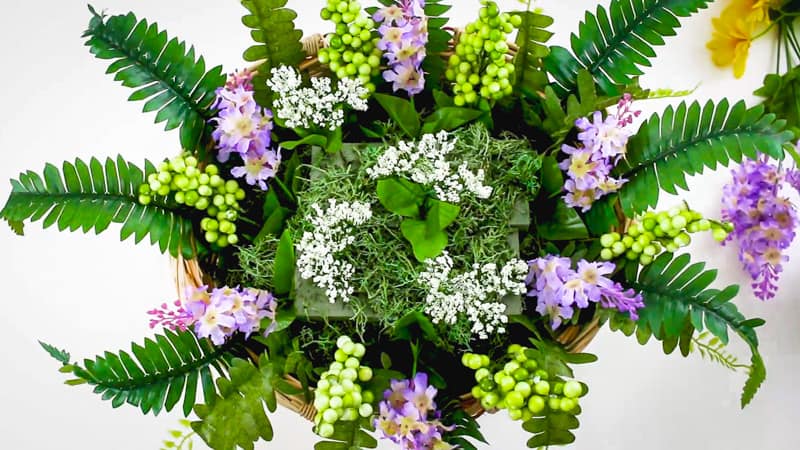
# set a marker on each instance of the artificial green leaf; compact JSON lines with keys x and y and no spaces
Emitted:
{"x":283,"y":272}
{"x":277,"y":39}
{"x":782,"y":97}
{"x":552,"y":176}
{"x":614,"y":44}
{"x":400,"y":196}
{"x":438,"y":42}
{"x":531,"y":40}
{"x":449,"y":118}
{"x":312,"y":139}
{"x":236,"y":417}
{"x":92,"y":203}
{"x":677,"y":302}
{"x":412,"y":326}
{"x":402,"y":112}
{"x":353,"y":435}
{"x":425,"y":242}
{"x":551,"y":428}
{"x":61,"y":356}
{"x":441,"y":214}
{"x":686,"y":140}
{"x":162,"y":70}
{"x":163,"y":370}
{"x":564,"y":224}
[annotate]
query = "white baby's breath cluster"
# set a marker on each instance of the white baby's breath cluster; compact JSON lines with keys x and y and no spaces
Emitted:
{"x":425,"y":162}
{"x":477,"y":294}
{"x":318,"y":106}
{"x":332,"y":233}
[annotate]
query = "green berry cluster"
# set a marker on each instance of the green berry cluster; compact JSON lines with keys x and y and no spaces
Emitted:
{"x":480,"y":67}
{"x":186,"y":183}
{"x":339,"y":396}
{"x":521,"y":386}
{"x":352,"y":51}
{"x":656,"y":232}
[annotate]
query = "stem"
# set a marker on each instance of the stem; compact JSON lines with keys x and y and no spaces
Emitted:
{"x":763,"y":32}
{"x":185,"y":438}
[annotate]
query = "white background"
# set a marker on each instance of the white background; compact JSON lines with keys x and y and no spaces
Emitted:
{"x":90,"y":294}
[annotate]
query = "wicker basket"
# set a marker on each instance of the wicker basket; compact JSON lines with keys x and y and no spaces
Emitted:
{"x":575,"y":338}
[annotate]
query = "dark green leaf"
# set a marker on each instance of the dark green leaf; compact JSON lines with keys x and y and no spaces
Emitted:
{"x":176,"y":82}
{"x":283,"y":274}
{"x":402,"y":112}
{"x":401,"y":196}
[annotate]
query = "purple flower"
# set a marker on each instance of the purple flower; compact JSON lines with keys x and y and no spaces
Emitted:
{"x":220,"y":313}
{"x":406,"y":77}
{"x":764,"y":223}
{"x":404,"y":35}
{"x":559,"y":289}
{"x":257,"y":168}
{"x":242,"y":127}
{"x":408,"y":415}
{"x":602,"y":143}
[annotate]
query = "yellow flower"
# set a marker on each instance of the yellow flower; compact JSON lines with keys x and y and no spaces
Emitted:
{"x":730,"y":43}
{"x":759,"y":11}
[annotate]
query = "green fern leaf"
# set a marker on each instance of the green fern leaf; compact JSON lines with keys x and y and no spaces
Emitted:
{"x":677,"y":300}
{"x":758,"y":373}
{"x":61,"y":356}
{"x":235,"y":416}
{"x":350,"y":436}
{"x":438,"y":42}
{"x":277,"y":41}
{"x":528,"y":61}
{"x":162,"y":71}
{"x":710,"y":347}
{"x":552,"y":428}
{"x":158,"y":375}
{"x":92,"y":196}
{"x":687,"y":139}
{"x":614,"y":44}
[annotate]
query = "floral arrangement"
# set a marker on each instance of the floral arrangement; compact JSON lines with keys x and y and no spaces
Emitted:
{"x":414,"y":224}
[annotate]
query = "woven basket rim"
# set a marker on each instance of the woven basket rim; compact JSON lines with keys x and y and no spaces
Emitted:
{"x":575,"y":338}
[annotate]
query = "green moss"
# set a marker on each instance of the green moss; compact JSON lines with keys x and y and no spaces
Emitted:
{"x":386,"y":271}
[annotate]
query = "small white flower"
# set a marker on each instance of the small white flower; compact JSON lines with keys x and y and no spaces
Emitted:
{"x":331,"y":235}
{"x":317,"y":106}
{"x":476,"y":294}
{"x":425,"y":162}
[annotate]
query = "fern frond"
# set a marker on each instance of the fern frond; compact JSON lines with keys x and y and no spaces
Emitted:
{"x":92,"y":196}
{"x":164,"y":371}
{"x":552,"y":428}
{"x":236,"y":416}
{"x":655,"y":94}
{"x":180,"y":439}
{"x":677,"y":302}
{"x":614,"y":44}
{"x":350,"y":436}
{"x":710,"y":347}
{"x":438,"y":42}
{"x":161,"y":70}
{"x":277,"y":41}
{"x":61,"y":356}
{"x":531,"y":38}
{"x":687,"y":139}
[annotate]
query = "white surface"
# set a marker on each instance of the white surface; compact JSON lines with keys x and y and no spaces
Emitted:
{"x":90,"y":294}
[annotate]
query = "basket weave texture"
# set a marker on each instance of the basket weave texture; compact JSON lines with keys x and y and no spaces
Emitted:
{"x":575,"y":338}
